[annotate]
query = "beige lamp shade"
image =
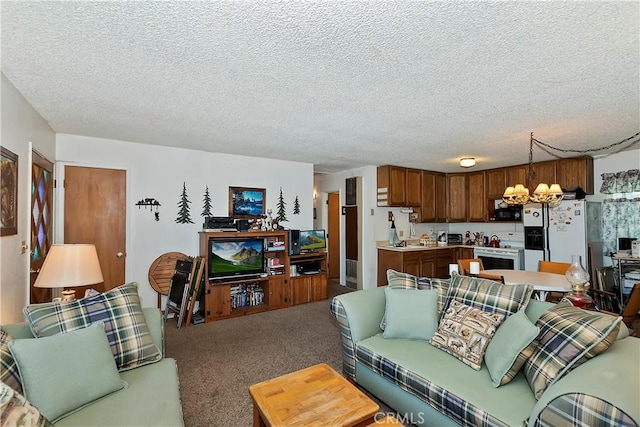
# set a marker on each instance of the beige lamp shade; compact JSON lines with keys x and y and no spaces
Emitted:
{"x":67,"y":266}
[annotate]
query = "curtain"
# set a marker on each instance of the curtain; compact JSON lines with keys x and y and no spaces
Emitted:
{"x":621,"y":211}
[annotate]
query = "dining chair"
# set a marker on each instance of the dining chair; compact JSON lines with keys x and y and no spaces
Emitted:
{"x":553,"y":267}
{"x":608,"y":302}
{"x":464,"y":265}
{"x":490,"y":276}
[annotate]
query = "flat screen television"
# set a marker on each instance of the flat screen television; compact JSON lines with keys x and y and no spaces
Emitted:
{"x":312,"y":240}
{"x":238,"y":257}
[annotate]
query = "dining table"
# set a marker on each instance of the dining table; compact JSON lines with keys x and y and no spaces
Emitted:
{"x":542,"y":282}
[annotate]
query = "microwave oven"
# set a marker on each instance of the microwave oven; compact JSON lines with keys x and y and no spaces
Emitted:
{"x":512,"y":213}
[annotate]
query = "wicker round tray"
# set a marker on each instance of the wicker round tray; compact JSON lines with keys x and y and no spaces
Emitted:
{"x":161,"y":272}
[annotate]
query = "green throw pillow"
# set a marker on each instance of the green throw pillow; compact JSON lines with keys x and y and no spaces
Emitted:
{"x":62,"y":373}
{"x":411,"y":313}
{"x":569,"y":336}
{"x":124,"y":322}
{"x":399,"y":280}
{"x":510,"y":348}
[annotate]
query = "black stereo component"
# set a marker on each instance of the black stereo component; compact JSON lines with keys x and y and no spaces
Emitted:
{"x":218,"y":222}
{"x":308,"y":268}
{"x":294,"y":242}
{"x":242,"y":224}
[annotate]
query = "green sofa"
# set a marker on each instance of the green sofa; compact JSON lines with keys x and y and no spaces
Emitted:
{"x":152,"y":397}
{"x":427,"y":386}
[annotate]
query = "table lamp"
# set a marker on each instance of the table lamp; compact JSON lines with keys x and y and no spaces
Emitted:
{"x":68,"y":266}
{"x":579,"y":279}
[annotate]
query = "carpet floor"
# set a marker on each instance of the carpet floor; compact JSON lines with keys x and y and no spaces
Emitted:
{"x":218,"y":361}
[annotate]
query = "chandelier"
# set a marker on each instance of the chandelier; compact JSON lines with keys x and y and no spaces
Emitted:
{"x":519,"y":195}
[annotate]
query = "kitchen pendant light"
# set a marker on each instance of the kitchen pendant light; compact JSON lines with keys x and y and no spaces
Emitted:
{"x":519,"y":195}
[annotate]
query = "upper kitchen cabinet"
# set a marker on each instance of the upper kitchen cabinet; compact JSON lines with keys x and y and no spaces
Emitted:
{"x":575,"y":172}
{"x":496,"y":182}
{"x":433,"y":207}
{"x":391,"y":186}
{"x":457,"y":197}
{"x":398,"y":186}
{"x":413,"y":187}
{"x":476,"y":197}
{"x":543,"y":172}
{"x":517,"y":175}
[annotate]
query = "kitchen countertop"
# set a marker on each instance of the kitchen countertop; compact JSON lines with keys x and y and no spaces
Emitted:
{"x":411,"y":247}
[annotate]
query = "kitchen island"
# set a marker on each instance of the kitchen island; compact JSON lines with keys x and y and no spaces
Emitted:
{"x":421,"y":261}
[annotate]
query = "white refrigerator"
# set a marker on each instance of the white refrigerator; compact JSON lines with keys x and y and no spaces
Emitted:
{"x":573,"y":224}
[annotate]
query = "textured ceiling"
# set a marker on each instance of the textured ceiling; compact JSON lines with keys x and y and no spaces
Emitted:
{"x":337,"y":84}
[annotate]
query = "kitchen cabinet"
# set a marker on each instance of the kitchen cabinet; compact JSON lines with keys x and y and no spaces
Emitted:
{"x":457,"y":197}
{"x":391,"y":185}
{"x":543,"y":172}
{"x":575,"y":172}
{"x":433,"y":206}
{"x":496,"y":182}
{"x":413,"y":187}
{"x":476,"y":197}
{"x":517,"y":175}
{"x":421,"y":263}
{"x":398,"y":186}
{"x":444,"y":257}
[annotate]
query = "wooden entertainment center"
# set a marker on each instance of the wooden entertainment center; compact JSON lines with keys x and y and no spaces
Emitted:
{"x":232,"y":297}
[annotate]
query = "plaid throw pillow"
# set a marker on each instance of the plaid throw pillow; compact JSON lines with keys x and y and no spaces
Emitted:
{"x":569,"y":336}
{"x":488,"y":295}
{"x":441,"y":285}
{"x":465,"y":332}
{"x":9,"y":373}
{"x":124,"y":323}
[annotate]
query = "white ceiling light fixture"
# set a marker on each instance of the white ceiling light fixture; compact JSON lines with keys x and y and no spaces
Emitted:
{"x":467,"y":162}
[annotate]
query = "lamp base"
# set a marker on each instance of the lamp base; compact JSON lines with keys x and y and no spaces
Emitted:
{"x":579,"y":299}
{"x":69,"y":295}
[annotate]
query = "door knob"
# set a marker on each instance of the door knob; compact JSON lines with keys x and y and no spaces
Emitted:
{"x":119,"y":255}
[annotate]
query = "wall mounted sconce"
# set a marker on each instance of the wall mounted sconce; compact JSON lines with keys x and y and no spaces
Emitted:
{"x":151,"y":203}
{"x":467,"y":162}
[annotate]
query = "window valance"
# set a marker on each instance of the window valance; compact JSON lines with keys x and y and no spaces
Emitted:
{"x":621,"y":182}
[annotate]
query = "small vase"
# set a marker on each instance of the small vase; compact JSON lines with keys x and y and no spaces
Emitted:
{"x":579,"y":279}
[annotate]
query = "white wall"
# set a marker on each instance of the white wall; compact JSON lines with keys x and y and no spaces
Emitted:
{"x":158,"y":172}
{"x":22,"y":128}
{"x":618,"y":162}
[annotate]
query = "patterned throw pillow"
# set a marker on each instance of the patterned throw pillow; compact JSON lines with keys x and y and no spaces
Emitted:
{"x":398,"y":280}
{"x":488,"y":295}
{"x":124,"y":322}
{"x":9,"y":373}
{"x":569,"y":336}
{"x":17,"y":411}
{"x":465,"y":332}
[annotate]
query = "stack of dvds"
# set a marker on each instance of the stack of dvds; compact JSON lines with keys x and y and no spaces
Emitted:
{"x":246,"y":295}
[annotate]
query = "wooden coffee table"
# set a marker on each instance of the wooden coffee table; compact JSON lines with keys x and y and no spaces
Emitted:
{"x":317,"y":395}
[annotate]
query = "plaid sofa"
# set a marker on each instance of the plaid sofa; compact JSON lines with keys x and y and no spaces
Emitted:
{"x":428,"y":387}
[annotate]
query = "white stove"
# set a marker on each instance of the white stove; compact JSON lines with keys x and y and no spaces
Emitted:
{"x":510,"y":254}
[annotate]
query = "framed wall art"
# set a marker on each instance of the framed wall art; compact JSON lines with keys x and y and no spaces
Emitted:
{"x":8,"y":192}
{"x":246,"y":202}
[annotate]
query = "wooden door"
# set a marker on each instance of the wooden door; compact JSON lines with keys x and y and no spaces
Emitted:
{"x":333,"y":235}
{"x":95,"y":212}
{"x":397,"y":186}
{"x":427,"y":264}
{"x":41,"y":222}
{"x":576,"y":172}
{"x":518,"y":175}
{"x":411,"y":263}
{"x":543,"y":172}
